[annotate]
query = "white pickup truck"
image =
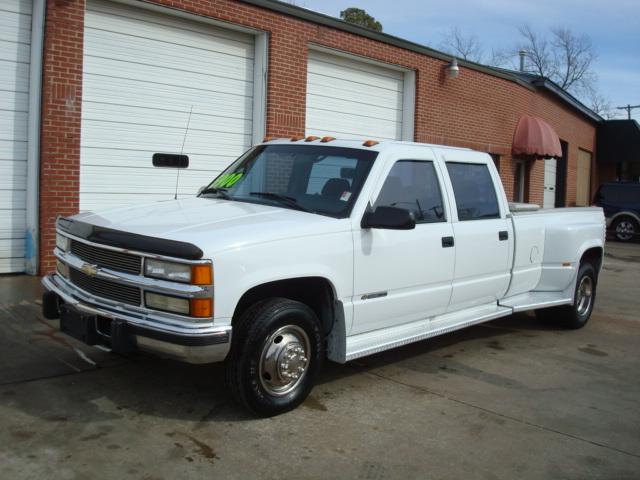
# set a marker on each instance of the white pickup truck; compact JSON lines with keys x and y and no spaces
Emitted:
{"x":306,"y":249}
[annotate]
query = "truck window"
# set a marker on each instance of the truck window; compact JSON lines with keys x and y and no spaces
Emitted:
{"x":474,"y":191}
{"x":413,"y":185}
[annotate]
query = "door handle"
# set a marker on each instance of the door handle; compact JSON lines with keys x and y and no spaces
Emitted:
{"x":503,"y":235}
{"x":447,"y":242}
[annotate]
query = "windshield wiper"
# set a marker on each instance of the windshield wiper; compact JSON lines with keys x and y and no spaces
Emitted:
{"x":221,"y":192}
{"x":292,"y":202}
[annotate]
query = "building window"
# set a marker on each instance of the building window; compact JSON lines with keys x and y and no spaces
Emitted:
{"x":519,"y":169}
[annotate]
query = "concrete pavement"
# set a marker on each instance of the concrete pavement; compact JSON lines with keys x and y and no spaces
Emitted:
{"x":513,"y":398}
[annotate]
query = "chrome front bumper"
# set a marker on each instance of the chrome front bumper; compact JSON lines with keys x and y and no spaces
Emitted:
{"x":196,"y":343}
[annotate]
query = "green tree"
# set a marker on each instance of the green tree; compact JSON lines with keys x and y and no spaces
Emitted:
{"x":357,"y":16}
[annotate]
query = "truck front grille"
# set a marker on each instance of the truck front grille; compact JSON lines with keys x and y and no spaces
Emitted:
{"x":105,"y":288}
{"x":122,"y":262}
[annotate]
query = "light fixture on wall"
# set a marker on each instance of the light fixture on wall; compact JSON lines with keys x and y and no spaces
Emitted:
{"x":453,"y":70}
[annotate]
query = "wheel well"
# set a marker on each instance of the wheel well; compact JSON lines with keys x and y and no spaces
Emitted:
{"x":315,"y":292}
{"x":622,"y":215}
{"x":593,"y":256}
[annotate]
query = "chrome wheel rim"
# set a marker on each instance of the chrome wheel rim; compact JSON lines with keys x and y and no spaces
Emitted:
{"x":585,"y":295}
{"x":625,"y":230}
{"x":284,"y":360}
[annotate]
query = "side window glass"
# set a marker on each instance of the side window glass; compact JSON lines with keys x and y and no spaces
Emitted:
{"x":413,"y":185}
{"x":474,"y":191}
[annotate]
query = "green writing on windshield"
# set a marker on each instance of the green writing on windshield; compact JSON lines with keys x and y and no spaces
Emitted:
{"x":227,"y":180}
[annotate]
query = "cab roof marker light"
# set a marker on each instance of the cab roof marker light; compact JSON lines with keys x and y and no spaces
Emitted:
{"x":370,"y":143}
{"x":327,"y":139}
{"x":311,"y":138}
{"x":268,"y":139}
{"x":297,"y":138}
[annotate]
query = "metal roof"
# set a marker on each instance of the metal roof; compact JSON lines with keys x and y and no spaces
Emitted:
{"x":529,"y":81}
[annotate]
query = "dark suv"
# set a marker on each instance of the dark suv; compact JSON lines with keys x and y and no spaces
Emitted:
{"x":621,"y":204}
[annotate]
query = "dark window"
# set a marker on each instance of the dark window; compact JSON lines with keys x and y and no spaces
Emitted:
{"x":474,"y":191}
{"x":413,"y":185}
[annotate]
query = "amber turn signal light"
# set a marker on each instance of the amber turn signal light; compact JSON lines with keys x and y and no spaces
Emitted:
{"x":370,"y":143}
{"x":311,"y":138}
{"x":202,"y":274}
{"x":201,"y":307}
{"x":327,"y":139}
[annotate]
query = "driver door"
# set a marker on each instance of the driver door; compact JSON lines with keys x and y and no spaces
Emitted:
{"x":401,"y":276}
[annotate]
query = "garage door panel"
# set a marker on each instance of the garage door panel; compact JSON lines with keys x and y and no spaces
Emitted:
{"x":13,"y":150}
{"x":120,"y":91}
{"x":343,"y":106}
{"x":144,"y":23}
{"x":12,"y":223}
{"x":143,"y":72}
{"x":165,"y":118}
{"x":12,"y":248}
{"x":354,"y":125}
{"x":15,"y":76}
{"x":15,"y":26}
{"x":348,"y":98}
{"x":12,"y":100}
{"x":212,"y":162}
{"x":160,"y":139}
{"x":347,"y":90}
{"x":100,"y":179}
{"x":13,"y":175}
{"x":148,"y":74}
{"x":13,"y":199}
{"x":144,"y":51}
{"x":14,"y":52}
{"x":13,"y":125}
{"x":364,"y":72}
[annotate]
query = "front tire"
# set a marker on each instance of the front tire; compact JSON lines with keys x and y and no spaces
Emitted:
{"x":276,"y":354}
{"x":577,"y":315}
{"x":625,"y":229}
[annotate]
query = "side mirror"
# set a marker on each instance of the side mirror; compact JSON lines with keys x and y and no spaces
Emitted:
{"x":170,"y":160}
{"x":390,"y":218}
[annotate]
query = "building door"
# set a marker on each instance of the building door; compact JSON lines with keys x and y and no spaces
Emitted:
{"x":143,"y":72}
{"x":15,"y":40}
{"x":352,"y":99}
{"x":550,"y":171}
{"x":583,"y":180}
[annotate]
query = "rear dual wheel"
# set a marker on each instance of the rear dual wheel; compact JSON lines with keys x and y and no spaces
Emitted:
{"x":276,"y":353}
{"x":577,"y":315}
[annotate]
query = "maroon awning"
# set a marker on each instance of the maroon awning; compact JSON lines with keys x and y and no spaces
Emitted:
{"x":535,"y":138}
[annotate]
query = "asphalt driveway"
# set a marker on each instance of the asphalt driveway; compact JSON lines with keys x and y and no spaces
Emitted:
{"x":509,"y":399}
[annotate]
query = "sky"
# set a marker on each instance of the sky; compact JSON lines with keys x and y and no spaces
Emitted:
{"x":613,"y":25}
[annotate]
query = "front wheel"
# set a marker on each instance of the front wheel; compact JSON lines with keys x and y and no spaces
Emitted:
{"x":625,"y":229}
{"x":577,"y":315}
{"x":276,"y":354}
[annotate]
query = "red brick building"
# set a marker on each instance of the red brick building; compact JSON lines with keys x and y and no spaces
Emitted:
{"x":123,"y":79}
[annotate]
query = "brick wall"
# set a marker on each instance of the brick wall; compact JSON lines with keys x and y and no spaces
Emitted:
{"x":475,"y":110}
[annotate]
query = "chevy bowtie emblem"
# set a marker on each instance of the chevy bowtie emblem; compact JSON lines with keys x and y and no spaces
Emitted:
{"x":91,"y":270}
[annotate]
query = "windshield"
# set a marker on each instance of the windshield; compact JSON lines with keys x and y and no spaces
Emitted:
{"x":319,"y":179}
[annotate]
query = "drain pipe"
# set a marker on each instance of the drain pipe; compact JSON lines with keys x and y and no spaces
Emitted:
{"x":33,"y":137}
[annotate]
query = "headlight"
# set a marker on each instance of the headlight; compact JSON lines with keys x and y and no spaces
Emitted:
{"x":179,"y":272}
{"x":167,"y":303}
{"x":62,"y":242}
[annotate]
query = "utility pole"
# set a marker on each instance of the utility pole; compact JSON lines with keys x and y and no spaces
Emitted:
{"x":628,"y":108}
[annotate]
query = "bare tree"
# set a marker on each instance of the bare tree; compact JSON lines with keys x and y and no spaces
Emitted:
{"x":599,"y":103}
{"x":463,"y":46}
{"x":565,"y":58}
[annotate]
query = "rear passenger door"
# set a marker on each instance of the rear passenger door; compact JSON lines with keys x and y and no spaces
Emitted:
{"x":482,"y":233}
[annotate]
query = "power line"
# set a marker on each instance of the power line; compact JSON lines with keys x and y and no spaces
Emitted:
{"x":628,"y":108}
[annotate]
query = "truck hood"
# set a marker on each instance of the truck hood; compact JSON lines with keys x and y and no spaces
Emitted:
{"x":214,"y":224}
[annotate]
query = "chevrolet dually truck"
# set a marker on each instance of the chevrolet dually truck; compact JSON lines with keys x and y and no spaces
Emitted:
{"x":310,"y":249}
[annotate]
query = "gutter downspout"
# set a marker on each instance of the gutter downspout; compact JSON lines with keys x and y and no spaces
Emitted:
{"x":33,"y":137}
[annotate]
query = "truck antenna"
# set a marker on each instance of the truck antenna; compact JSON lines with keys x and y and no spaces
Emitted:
{"x":184,"y":139}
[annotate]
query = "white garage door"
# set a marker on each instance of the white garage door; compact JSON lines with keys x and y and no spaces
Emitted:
{"x":15,"y":38}
{"x":348,"y":98}
{"x":143,"y":72}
